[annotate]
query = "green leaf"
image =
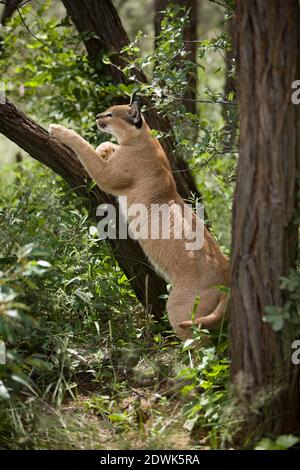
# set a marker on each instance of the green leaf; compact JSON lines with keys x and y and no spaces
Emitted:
{"x":286,"y":441}
{"x":4,"y":394}
{"x":25,"y":251}
{"x":118,"y":417}
{"x":190,"y":423}
{"x":188,"y":343}
{"x":282,"y":442}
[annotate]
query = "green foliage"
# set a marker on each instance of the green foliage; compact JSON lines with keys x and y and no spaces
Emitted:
{"x":51,"y":73}
{"x":46,"y":301}
{"x":282,"y":442}
{"x":206,"y":375}
{"x":82,"y":357}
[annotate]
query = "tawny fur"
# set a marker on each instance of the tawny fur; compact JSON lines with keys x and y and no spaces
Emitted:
{"x":139,"y":169}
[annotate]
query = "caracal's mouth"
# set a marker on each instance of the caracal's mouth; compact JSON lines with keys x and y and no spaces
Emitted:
{"x":101,"y":125}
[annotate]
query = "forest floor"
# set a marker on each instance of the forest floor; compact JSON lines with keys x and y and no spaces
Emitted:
{"x":169,"y":434}
{"x":144,"y":414}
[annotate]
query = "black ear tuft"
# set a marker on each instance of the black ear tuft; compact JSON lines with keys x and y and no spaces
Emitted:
{"x":135,"y":114}
{"x":132,"y":98}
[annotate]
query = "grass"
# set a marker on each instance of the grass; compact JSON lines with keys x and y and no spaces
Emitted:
{"x":117,"y":403}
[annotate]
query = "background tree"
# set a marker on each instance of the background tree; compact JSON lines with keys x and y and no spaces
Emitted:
{"x":190,"y":38}
{"x":101,"y":19}
{"x":264,"y":245}
{"x":10,"y":6}
{"x":8,"y":9}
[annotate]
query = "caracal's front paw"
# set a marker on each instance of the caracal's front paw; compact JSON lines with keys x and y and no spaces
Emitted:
{"x":104,"y":147}
{"x":105,"y":150}
{"x":61,"y":133}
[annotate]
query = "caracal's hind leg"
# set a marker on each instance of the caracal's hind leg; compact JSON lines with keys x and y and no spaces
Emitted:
{"x":180,"y":305}
{"x":183,"y":302}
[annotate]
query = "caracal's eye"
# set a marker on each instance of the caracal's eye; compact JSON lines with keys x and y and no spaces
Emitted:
{"x":108,"y":115}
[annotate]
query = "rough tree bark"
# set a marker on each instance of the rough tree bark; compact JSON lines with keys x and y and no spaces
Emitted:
{"x":35,"y":140}
{"x":100,"y":17}
{"x":264,"y":242}
{"x":190,"y":36}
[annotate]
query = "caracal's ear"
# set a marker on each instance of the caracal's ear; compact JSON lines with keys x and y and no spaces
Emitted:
{"x":135,"y":114}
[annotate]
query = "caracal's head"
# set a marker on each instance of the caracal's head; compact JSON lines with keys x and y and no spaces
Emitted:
{"x":124,"y":121}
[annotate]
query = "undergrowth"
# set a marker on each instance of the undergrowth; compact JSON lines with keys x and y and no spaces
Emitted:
{"x":86,"y":368}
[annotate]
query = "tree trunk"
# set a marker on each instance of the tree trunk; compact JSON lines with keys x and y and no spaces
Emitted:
{"x":190,"y":38}
{"x":35,"y":140}
{"x":159,"y":6}
{"x":264,"y":244}
{"x":100,"y":17}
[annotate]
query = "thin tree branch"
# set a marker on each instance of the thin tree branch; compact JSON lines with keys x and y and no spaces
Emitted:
{"x":31,"y":33}
{"x":218,"y":3}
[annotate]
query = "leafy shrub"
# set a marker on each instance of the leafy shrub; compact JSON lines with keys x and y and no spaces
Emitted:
{"x":57,"y":282}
